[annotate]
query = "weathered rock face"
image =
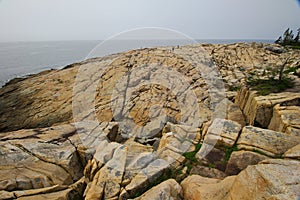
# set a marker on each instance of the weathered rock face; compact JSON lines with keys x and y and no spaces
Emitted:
{"x":46,"y":98}
{"x":239,"y":160}
{"x":235,"y":61}
{"x":259,"y":109}
{"x":222,"y":133}
{"x":49,"y":160}
{"x":271,"y":179}
{"x":38,"y":101}
{"x":168,"y":189}
{"x":208,"y":172}
{"x":232,"y":112}
{"x":196,"y":187}
{"x":286,"y":119}
{"x":269,"y":142}
{"x":119,"y":124}
{"x":27,"y":156}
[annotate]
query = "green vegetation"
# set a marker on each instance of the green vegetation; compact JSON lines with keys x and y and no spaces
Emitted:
{"x":234,"y":88}
{"x":295,"y":47}
{"x":265,"y":87}
{"x":229,"y":151}
{"x":191,"y":155}
{"x":273,"y":79}
{"x":210,"y":165}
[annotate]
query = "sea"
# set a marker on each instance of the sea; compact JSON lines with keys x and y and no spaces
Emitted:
{"x":19,"y":59}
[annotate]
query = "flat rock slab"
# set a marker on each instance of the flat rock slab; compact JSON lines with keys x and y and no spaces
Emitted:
{"x":268,"y":142}
{"x":147,"y":175}
{"x":222,"y":133}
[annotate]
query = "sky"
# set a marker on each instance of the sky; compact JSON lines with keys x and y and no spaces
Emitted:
{"x":48,"y":20}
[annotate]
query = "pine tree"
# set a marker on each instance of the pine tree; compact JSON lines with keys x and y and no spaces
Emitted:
{"x":297,"y":38}
{"x":288,"y":37}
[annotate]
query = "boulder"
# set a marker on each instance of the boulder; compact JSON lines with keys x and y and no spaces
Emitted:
{"x":38,"y":158}
{"x":276,"y":49}
{"x":222,"y":133}
{"x":259,"y":109}
{"x":107,"y":181}
{"x":213,"y":157}
{"x":200,"y":188}
{"x":146,"y":176}
{"x":239,"y":160}
{"x":271,"y":179}
{"x":268,"y":142}
{"x":138,"y":157}
{"x":168,"y":189}
{"x":179,"y":138}
{"x":286,"y":119}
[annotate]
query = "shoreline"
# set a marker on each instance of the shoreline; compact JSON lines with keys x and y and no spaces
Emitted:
{"x":60,"y":67}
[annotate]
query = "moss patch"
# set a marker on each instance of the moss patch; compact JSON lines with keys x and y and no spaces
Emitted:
{"x":229,"y":151}
{"x":265,"y":87}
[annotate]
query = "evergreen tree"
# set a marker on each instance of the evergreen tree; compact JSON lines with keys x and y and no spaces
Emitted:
{"x":288,"y":38}
{"x":297,"y":38}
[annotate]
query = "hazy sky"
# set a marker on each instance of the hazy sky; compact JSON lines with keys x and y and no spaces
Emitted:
{"x":31,"y":20}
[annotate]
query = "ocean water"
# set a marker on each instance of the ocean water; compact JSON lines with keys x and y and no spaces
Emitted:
{"x":19,"y":59}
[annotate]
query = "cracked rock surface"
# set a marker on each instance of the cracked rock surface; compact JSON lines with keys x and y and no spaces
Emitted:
{"x":153,"y":123}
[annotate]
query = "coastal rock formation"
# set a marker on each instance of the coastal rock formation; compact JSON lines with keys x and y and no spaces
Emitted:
{"x":169,"y":189}
{"x":258,"y":139}
{"x":240,"y":160}
{"x":270,"y":179}
{"x":259,"y":109}
{"x":286,"y":119}
{"x":152,"y":123}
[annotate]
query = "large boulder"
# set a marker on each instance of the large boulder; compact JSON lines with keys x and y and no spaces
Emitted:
{"x":37,"y":162}
{"x":146,"y":176}
{"x":258,"y":110}
{"x":239,"y":160}
{"x":268,"y":142}
{"x":107,"y":181}
{"x":222,"y":133}
{"x":286,"y":119}
{"x":168,"y":189}
{"x":200,"y":188}
{"x":271,"y":179}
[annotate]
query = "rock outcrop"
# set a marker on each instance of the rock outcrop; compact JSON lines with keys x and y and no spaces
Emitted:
{"x":152,"y":124}
{"x":259,"y":109}
{"x":270,"y":179}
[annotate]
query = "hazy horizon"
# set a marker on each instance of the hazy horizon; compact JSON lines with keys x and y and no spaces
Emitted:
{"x":75,"y":20}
